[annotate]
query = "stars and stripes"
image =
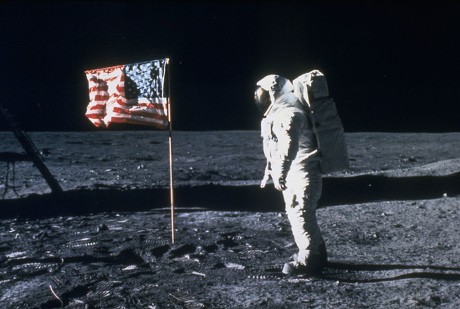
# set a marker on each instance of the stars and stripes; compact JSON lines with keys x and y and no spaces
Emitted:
{"x":131,"y":93}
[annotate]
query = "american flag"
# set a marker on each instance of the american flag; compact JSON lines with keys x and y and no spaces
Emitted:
{"x":129,"y":93}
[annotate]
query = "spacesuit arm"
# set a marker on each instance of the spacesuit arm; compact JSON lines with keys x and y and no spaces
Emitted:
{"x":288,"y":134}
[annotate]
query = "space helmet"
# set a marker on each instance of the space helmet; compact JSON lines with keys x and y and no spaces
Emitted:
{"x":276,"y":84}
{"x":262,"y":99}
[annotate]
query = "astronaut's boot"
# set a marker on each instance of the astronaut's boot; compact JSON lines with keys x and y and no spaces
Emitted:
{"x":313,"y":266}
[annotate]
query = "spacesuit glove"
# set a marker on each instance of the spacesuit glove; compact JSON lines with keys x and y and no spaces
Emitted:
{"x":280,"y":183}
{"x":264,"y":180}
{"x":267,"y":174}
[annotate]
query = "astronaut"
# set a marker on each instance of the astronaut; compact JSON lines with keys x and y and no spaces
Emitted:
{"x":289,"y":144}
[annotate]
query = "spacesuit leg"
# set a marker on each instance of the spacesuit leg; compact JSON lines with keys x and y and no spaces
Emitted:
{"x":301,"y":198}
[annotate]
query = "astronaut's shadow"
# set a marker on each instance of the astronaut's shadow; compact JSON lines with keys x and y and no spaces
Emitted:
{"x":370,"y":273}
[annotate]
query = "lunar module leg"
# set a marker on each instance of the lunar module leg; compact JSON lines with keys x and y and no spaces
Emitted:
{"x":31,"y":150}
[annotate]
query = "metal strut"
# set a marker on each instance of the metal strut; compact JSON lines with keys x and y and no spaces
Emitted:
{"x":31,"y":150}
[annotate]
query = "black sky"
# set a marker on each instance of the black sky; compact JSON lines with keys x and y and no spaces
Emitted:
{"x":390,"y":67}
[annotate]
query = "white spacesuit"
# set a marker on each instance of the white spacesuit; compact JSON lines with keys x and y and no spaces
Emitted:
{"x":290,"y":147}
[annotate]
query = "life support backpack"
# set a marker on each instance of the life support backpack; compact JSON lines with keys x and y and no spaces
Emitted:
{"x":312,"y":90}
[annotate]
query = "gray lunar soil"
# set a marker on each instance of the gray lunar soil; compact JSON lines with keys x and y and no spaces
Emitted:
{"x":390,"y":223}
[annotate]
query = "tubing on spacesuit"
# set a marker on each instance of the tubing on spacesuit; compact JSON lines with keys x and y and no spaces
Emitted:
{"x":289,"y":145}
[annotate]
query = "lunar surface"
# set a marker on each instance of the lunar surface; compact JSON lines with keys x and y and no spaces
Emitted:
{"x":390,"y":223}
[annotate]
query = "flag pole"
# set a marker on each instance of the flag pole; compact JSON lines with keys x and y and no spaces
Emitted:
{"x":171,"y":179}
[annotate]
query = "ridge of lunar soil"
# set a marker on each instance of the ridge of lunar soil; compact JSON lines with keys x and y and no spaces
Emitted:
{"x":139,"y":159}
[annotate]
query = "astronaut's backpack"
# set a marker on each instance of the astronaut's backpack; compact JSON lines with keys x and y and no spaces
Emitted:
{"x":312,"y":90}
